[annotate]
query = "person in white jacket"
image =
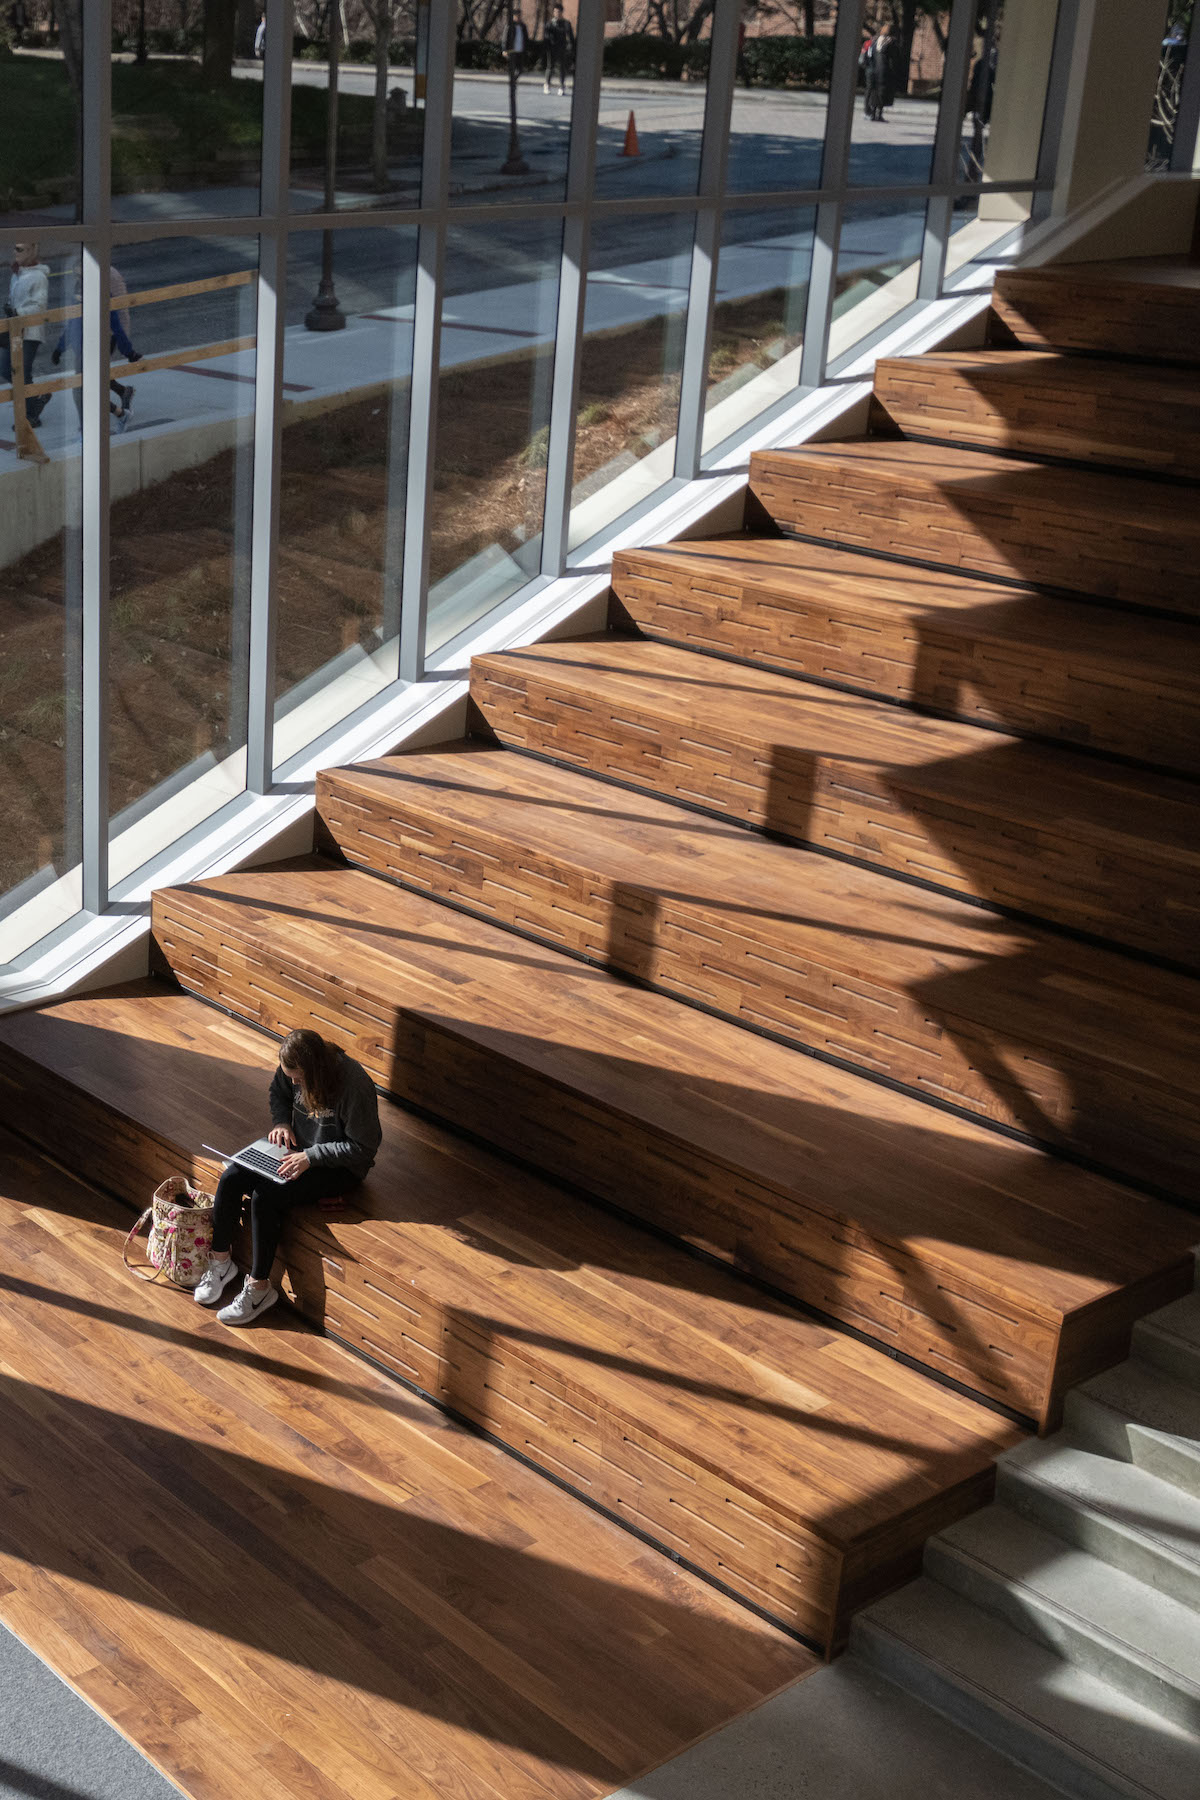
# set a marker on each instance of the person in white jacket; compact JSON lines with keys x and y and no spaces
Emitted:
{"x":28,"y":294}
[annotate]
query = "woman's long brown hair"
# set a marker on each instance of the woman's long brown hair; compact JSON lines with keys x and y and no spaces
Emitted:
{"x":315,"y":1063}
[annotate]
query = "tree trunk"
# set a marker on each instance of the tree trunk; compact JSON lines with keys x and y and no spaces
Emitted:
{"x":220,"y":32}
{"x":810,"y":18}
{"x":70,"y":41}
{"x":381,"y":12}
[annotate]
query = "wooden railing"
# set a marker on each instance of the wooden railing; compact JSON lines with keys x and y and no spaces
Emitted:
{"x":21,"y":392}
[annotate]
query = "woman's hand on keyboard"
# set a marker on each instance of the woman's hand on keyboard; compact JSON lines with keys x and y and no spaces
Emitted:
{"x":281,"y":1135}
{"x":291,"y":1166}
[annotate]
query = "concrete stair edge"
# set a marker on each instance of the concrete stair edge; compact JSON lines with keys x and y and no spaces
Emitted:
{"x":1064,"y":1724}
{"x":1096,"y":1617}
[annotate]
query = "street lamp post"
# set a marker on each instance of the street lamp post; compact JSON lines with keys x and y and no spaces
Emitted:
{"x":515,"y":163}
{"x":325,"y":314}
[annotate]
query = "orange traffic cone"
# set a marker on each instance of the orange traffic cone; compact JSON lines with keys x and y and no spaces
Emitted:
{"x":631,"y":143}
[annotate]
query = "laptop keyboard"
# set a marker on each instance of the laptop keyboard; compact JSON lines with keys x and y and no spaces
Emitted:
{"x":258,"y":1159}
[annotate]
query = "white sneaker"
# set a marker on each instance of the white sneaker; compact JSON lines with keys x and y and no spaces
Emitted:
{"x":214,"y":1281}
{"x":545,"y":87}
{"x":248,"y":1306}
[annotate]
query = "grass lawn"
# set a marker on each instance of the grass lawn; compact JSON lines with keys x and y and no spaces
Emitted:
{"x":167,"y":126}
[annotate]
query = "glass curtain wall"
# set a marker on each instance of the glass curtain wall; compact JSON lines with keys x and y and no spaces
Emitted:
{"x":346,"y":331}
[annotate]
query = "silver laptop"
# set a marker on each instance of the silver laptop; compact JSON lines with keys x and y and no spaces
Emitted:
{"x":262,"y":1157}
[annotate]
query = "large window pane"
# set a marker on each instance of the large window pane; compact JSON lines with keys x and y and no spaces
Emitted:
{"x":40,"y":598}
{"x":652,"y":97}
{"x":493,"y":420}
{"x":1178,"y":28}
{"x":186,"y":112}
{"x":878,"y":262}
{"x":1006,"y":91}
{"x":780,"y":105}
{"x":39,"y":116}
{"x":634,"y":322}
{"x":758,"y":321}
{"x":180,"y":460}
{"x":512,"y":124}
{"x":357,"y":133}
{"x":343,"y":472}
{"x":900,"y":85}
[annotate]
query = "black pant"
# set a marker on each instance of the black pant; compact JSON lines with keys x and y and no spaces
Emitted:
{"x":30,"y":346}
{"x":560,"y":62}
{"x":270,"y":1203}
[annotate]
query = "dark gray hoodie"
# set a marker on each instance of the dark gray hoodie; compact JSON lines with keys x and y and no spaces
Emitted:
{"x":348,"y":1135}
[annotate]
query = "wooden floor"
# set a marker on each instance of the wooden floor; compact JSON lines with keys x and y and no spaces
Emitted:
{"x":1117,"y":537}
{"x":931,"y":1234}
{"x":281,"y":1575}
{"x":986,"y":652}
{"x":954,"y":691}
{"x":784,"y":1460}
{"x":1084,"y":842}
{"x":1144,"y":308}
{"x":1036,"y":403}
{"x":1077,"y":1047}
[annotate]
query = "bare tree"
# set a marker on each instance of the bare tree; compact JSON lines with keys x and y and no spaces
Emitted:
{"x":380,"y":13}
{"x":220,"y":38}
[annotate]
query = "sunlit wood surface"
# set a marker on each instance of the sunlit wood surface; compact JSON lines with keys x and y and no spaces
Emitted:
{"x":283,"y":1576}
{"x":786,"y":1460}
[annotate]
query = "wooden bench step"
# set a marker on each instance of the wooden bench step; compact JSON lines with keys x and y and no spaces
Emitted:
{"x":982,"y":651}
{"x":794,"y":1464}
{"x":1146,"y":308}
{"x":281,"y":1575}
{"x":1117,"y":537}
{"x":1081,"y":1048}
{"x":1036,"y":403}
{"x":979,"y":1257}
{"x":1092,"y":845}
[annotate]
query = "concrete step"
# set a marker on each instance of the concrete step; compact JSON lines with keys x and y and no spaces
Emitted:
{"x":845,"y":1733}
{"x":1139,"y":1414}
{"x":1170,"y":1339}
{"x":1114,"y":1510}
{"x":1087,"y":1737}
{"x":1097,"y":1618}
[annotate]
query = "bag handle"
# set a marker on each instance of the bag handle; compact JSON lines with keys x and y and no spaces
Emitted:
{"x":140,"y":1273}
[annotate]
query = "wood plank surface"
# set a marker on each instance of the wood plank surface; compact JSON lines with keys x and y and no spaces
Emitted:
{"x":277,"y":1573}
{"x":1036,"y":403}
{"x":1141,"y":308}
{"x":1081,"y":1048}
{"x":1114,"y":536}
{"x":983,"y":651}
{"x":737,"y":1433}
{"x":1075,"y":840}
{"x":919,"y":1227}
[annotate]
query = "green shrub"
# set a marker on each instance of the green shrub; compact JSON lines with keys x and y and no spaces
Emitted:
{"x":788,"y":61}
{"x":640,"y":54}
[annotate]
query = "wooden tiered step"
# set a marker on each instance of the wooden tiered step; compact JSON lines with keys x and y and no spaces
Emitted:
{"x":983,"y":651}
{"x":1084,"y":409}
{"x":1080,"y":1047}
{"x":1116,"y":536}
{"x":797,"y":1466}
{"x":281,"y":1576}
{"x":1148,"y":309}
{"x":1085,"y":843}
{"x":979,"y":1257}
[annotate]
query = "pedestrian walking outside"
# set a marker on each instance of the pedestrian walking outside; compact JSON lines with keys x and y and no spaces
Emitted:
{"x":516,"y":44}
{"x":878,"y":64}
{"x":72,"y":341}
{"x":28,"y":295}
{"x":560,"y":49}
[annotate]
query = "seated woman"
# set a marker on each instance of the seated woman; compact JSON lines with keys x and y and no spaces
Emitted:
{"x":324,"y":1110}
